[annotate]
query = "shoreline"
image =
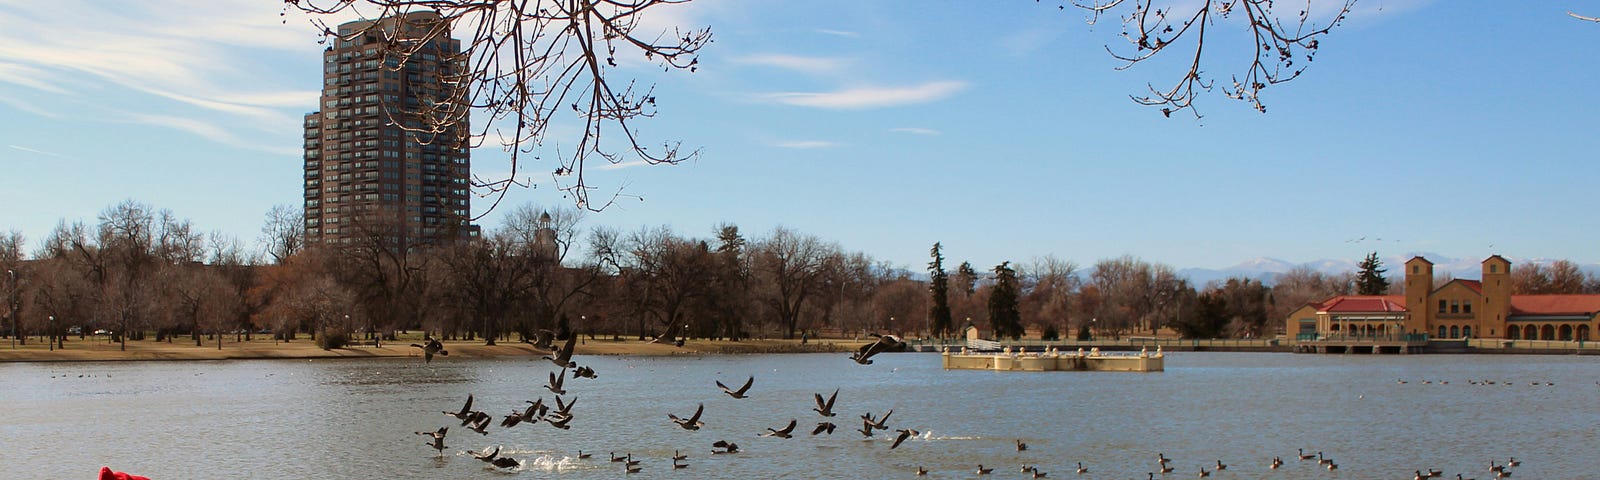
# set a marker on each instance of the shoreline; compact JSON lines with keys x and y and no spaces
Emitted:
{"x":93,"y":350}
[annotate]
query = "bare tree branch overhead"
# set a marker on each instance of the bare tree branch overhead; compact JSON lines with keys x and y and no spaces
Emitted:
{"x":524,"y":64}
{"x":1283,"y":47}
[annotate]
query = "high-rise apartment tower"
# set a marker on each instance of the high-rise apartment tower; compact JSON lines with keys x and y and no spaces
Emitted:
{"x":386,"y":155}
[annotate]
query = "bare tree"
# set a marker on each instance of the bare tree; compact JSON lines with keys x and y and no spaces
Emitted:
{"x":523,"y":64}
{"x":791,"y":267}
{"x":1279,"y":42}
{"x":1048,"y":284}
{"x":284,"y":233}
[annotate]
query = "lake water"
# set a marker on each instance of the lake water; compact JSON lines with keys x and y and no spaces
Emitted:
{"x":356,"y":418}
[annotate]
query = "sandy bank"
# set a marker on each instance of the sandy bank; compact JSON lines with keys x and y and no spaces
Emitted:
{"x":99,"y":350}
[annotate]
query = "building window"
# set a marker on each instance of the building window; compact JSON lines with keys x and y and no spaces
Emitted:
{"x":1415,"y":269}
{"x":1441,"y":306}
{"x":1455,"y":306}
{"x":1494,"y":268}
{"x":1466,"y":306}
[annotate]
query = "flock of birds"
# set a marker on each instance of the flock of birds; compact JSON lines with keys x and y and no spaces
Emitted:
{"x":560,"y":416}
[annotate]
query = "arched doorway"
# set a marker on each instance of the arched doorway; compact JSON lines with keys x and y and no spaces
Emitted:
{"x":1530,"y":332}
{"x":1583,"y":333}
{"x":1466,"y":331}
{"x":1442,"y":332}
{"x":1513,"y":333}
{"x":1548,"y":332}
{"x":1566,"y":333}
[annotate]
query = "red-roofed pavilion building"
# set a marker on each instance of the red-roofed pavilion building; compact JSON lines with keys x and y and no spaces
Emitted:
{"x":1459,"y":309}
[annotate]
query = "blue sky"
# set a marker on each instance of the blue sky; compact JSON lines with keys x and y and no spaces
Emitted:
{"x":998,"y":128}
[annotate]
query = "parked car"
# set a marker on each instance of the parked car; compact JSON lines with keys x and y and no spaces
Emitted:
{"x":102,"y":332}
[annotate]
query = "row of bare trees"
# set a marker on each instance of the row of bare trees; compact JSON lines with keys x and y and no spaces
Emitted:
{"x":139,"y":270}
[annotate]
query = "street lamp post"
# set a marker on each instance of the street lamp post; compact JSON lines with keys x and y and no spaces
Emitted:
{"x":52,"y":339}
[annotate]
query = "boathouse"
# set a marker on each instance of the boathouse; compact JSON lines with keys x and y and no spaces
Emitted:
{"x":1455,"y":311}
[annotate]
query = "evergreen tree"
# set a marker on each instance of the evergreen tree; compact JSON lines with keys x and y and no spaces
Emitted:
{"x":939,"y":286}
{"x":1370,"y":279}
{"x":1004,"y":316}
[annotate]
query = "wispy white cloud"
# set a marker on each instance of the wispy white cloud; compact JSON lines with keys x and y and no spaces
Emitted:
{"x":839,"y":33}
{"x":804,"y":144}
{"x":197,"y":59}
{"x":37,"y":151}
{"x":622,"y":165}
{"x":916,"y":130}
{"x":869,"y":97}
{"x":208,"y":130}
{"x":812,"y":65}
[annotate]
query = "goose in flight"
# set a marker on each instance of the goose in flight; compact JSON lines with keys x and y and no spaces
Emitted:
{"x":466,"y":410}
{"x":826,"y":408}
{"x":691,"y":423}
{"x":584,"y":372}
{"x":487,"y":456}
{"x":555,"y":382}
{"x":881,"y":423}
{"x":725,"y":446}
{"x":824,"y":427}
{"x":437,"y":437}
{"x":781,"y":433}
{"x":480,"y":423}
{"x":563,"y":357}
{"x":904,"y":434}
{"x":506,"y":462}
{"x":430,"y":347}
{"x":740,"y":392}
{"x":885,"y":343}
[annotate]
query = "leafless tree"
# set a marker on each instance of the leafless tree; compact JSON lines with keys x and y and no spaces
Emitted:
{"x":1283,"y":45}
{"x":1048,"y":284}
{"x":284,"y":233}
{"x":525,"y":64}
{"x":790,"y":267}
{"x":1301,"y":285}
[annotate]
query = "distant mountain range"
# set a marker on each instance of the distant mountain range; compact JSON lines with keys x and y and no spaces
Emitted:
{"x":1267,"y":270}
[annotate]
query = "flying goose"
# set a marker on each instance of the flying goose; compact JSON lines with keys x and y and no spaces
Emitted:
{"x":864,"y":354}
{"x":438,"y":439}
{"x":555,"y":382}
{"x":584,"y":372}
{"x":481,"y":424}
{"x":560,"y":422}
{"x":506,"y":462}
{"x":487,"y":456}
{"x":826,"y":408}
{"x":691,"y":423}
{"x":782,"y":433}
{"x":430,"y":347}
{"x":563,"y":357}
{"x":882,"y":423}
{"x":466,"y":410}
{"x":740,"y":392}
{"x":725,"y":446}
{"x":475,"y":417}
{"x":904,"y":434}
{"x":823,"y":427}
